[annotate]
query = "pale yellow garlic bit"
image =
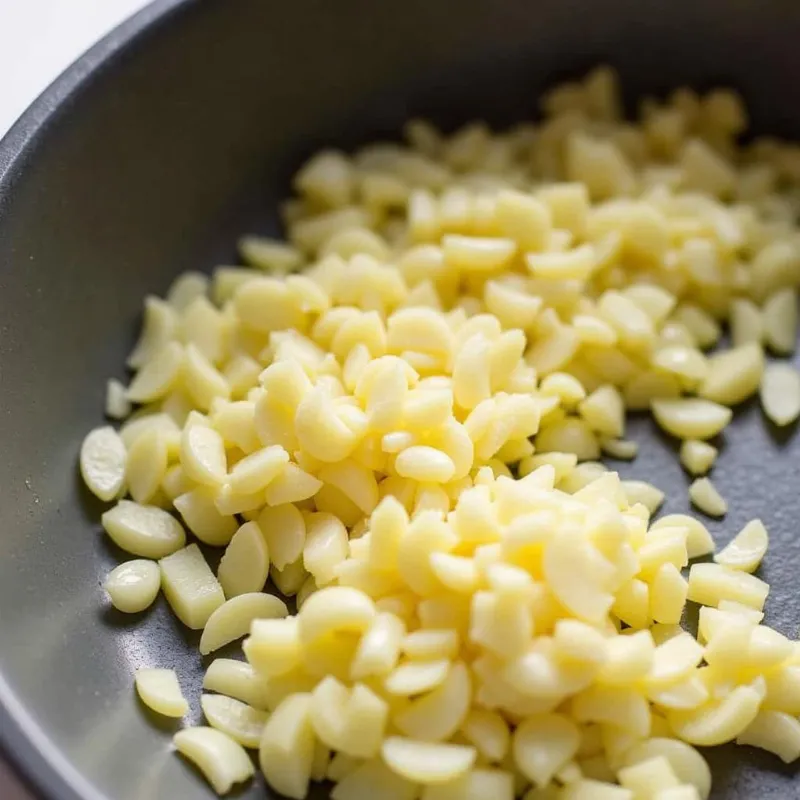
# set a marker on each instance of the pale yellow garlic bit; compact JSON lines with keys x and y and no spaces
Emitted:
{"x":437,"y":715}
{"x":257,"y":470}
{"x":543,"y":744}
{"x":733,"y":375}
{"x":711,"y":583}
{"x":160,"y":327}
{"x":199,"y":510}
{"x":577,"y":574}
{"x":243,"y":723}
{"x":746,"y":549}
{"x":622,"y":449}
{"x":159,"y":690}
{"x":236,"y":679}
{"x":287,"y":747}
{"x":746,"y":322}
{"x":117,"y":404}
{"x":780,"y":393}
{"x":687,"y":364}
{"x":719,"y":721}
{"x":222,"y":761}
{"x":145,"y":531}
{"x":478,"y":782}
{"x":148,"y":458}
{"x":185,"y":288}
{"x":707,"y":498}
{"x":691,"y":418}
{"x":203,"y":455}
{"x":134,"y":585}
{"x":775,"y":732}
{"x":190,"y":586}
{"x":697,"y":457}
{"x":371,"y":778}
{"x":645,"y":493}
{"x":325,"y":547}
{"x":158,"y":375}
{"x":245,"y":565}
{"x":698,"y":540}
{"x":336,"y":608}
{"x":780,"y":321}
{"x":103,"y":462}
{"x":686,"y":762}
{"x":413,"y":677}
{"x":273,"y":647}
{"x":427,"y":762}
{"x":478,"y":254}
{"x":604,"y":411}
{"x":577,"y":264}
{"x":284,"y":530}
{"x":379,"y":648}
{"x":232,"y":619}
{"x":271,"y":255}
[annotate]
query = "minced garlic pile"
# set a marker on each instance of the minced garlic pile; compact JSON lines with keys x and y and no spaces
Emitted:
{"x":396,"y":417}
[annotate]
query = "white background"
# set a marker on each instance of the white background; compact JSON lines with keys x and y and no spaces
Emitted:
{"x":38,"y":40}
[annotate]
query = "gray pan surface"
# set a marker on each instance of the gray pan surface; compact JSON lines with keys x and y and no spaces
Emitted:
{"x":147,"y":158}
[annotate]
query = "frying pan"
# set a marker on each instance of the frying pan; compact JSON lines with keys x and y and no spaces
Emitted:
{"x":147,"y":157}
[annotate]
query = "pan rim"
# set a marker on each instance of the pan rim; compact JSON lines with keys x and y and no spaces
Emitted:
{"x":24,"y":744}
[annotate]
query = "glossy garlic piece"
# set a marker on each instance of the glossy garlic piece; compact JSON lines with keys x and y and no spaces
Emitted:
{"x":145,"y":531}
{"x":134,"y":585}
{"x":190,"y":587}
{"x":222,"y":760}
{"x":159,"y":690}
{"x":103,"y":461}
{"x":233,"y":618}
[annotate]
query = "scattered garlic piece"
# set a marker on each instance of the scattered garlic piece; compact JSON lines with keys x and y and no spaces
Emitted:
{"x":144,"y":531}
{"x":720,"y":721}
{"x":746,"y":549}
{"x":746,"y":321}
{"x":117,"y":404}
{"x":780,"y":393}
{"x":427,"y":762}
{"x":222,"y":760}
{"x":710,"y":584}
{"x":236,"y":679}
{"x":622,"y":449}
{"x":691,"y":418}
{"x":158,"y":375}
{"x":102,"y":462}
{"x":733,"y":375}
{"x":243,"y":723}
{"x":705,"y":496}
{"x":698,"y":540}
{"x":686,"y":762}
{"x":780,"y":321}
{"x":190,"y":586}
{"x":698,"y":457}
{"x":232,"y":619}
{"x":287,"y":746}
{"x":645,"y":493}
{"x":245,"y":565}
{"x":134,"y":585}
{"x":159,"y":689}
{"x":775,"y":732}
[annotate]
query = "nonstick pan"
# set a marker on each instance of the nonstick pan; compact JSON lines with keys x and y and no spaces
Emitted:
{"x":146,"y":158}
